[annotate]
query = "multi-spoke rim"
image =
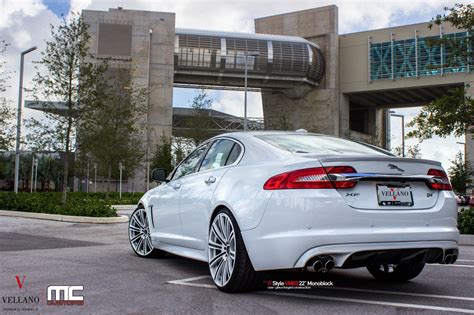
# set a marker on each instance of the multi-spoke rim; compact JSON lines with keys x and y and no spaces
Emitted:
{"x":221,"y":249}
{"x":139,"y":233}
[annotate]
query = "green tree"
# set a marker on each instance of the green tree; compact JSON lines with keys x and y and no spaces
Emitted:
{"x":163,"y":157}
{"x":460,"y":174}
{"x":452,"y":113}
{"x":6,"y":129}
{"x":109,"y":132}
{"x":7,"y":162}
{"x":68,"y":76}
{"x":414,"y":151}
{"x":49,"y":171}
{"x":181,"y":147}
{"x":7,"y":113}
{"x":201,"y":121}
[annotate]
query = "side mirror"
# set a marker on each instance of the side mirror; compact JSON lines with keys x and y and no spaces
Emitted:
{"x":159,"y":175}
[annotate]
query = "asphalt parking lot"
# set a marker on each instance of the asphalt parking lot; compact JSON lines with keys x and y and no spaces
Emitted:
{"x":115,"y":281}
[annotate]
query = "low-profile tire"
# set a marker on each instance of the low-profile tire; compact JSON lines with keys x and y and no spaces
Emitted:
{"x":229,"y":263}
{"x":139,"y":235}
{"x":396,"y":272}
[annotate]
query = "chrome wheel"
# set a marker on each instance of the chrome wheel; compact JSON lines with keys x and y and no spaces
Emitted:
{"x":139,"y":233}
{"x":221,"y":249}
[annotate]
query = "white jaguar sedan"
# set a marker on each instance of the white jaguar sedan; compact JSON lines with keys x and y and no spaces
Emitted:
{"x":250,"y":202}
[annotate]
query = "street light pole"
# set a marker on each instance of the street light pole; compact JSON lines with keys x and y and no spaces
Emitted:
{"x":36,"y":172}
{"x":32,"y":171}
{"x":392,"y":113}
{"x":18,"y":118}
{"x":464,"y":144}
{"x":247,"y":54}
{"x":120,"y":183}
{"x":87,"y":175}
{"x":95,"y":177}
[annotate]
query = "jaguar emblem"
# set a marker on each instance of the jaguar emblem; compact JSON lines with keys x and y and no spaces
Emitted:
{"x":394,"y":167}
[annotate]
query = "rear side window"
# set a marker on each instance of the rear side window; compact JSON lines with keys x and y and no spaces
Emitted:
{"x":217,"y":155}
{"x":234,"y":154}
{"x":320,"y":144}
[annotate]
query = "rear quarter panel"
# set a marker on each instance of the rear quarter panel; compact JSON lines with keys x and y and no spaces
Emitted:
{"x":241,"y":188}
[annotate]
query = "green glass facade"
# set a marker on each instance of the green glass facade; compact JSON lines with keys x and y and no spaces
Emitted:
{"x":420,"y":57}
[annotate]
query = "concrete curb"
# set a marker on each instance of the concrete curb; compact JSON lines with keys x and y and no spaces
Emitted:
{"x":124,"y":207}
{"x":466,"y":239}
{"x":65,"y":218}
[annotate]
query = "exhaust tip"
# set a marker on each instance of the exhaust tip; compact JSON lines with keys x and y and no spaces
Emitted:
{"x":329,"y":264}
{"x":455,"y":257}
{"x":448,"y":259}
{"x":318,"y":265}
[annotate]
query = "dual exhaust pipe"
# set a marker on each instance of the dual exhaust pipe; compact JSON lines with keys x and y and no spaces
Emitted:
{"x":321,"y":264}
{"x":450,"y":259}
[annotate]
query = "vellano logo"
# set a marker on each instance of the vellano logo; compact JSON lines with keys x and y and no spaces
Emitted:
{"x":20,"y":302}
{"x":64,"y":295}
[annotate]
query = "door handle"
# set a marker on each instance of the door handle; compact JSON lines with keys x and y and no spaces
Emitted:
{"x":210,"y":180}
{"x":176,"y":186}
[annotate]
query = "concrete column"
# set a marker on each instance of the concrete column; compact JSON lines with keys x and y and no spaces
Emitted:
{"x":318,"y":110}
{"x":148,"y":51}
{"x":344,"y":116}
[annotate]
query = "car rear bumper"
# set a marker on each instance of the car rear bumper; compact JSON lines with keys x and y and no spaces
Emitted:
{"x":287,"y":251}
{"x":341,"y":253}
{"x":296,"y":228}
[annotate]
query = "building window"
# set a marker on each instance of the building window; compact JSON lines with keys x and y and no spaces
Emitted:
{"x":433,"y":58}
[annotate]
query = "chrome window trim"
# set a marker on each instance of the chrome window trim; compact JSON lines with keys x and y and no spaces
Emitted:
{"x":237,"y":161}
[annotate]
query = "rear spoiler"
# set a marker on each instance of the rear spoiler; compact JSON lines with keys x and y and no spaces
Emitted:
{"x":364,"y":158}
{"x":384,"y":177}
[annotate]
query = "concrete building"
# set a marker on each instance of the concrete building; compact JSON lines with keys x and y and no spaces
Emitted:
{"x":310,"y":76}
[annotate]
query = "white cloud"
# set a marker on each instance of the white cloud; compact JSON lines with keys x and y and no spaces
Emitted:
{"x":21,"y":38}
{"x":13,"y":10}
{"x":232,"y":102}
{"x":23,"y":24}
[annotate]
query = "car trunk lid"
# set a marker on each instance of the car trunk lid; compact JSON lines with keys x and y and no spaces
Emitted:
{"x":386,"y":182}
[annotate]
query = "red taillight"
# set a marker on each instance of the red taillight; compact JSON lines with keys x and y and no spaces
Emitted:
{"x":443,"y":180}
{"x":311,"y":178}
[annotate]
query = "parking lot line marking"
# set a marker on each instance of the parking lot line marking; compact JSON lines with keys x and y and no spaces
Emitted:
{"x":188,"y":281}
{"x":373,"y":302}
{"x":462,"y":266}
{"x":465,"y":260}
{"x":449,"y":297}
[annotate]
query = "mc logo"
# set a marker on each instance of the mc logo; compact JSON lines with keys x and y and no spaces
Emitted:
{"x":64,"y":295}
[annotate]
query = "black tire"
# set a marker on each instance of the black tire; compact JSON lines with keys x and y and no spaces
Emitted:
{"x":244,"y":277}
{"x":153,"y":253}
{"x":400,"y":273}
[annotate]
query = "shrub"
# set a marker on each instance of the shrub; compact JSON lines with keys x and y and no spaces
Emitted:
{"x":127,"y":197}
{"x":51,"y":203}
{"x":466,"y":221}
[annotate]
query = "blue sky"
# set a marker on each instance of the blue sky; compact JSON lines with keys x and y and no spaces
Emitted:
{"x":58,"y":7}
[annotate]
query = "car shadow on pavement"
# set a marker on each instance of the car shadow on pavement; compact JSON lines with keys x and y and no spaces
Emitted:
{"x":342,"y":278}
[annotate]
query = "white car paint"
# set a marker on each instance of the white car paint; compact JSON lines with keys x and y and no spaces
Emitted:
{"x":285,"y":228}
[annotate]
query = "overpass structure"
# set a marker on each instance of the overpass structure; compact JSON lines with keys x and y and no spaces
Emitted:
{"x":309,"y":75}
{"x":212,"y":58}
{"x":219,"y":122}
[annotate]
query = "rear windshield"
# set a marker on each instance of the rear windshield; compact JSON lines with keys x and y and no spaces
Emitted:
{"x":319,"y":144}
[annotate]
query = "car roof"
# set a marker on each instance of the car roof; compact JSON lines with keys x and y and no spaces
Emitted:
{"x":253,"y":136}
{"x":241,"y":134}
